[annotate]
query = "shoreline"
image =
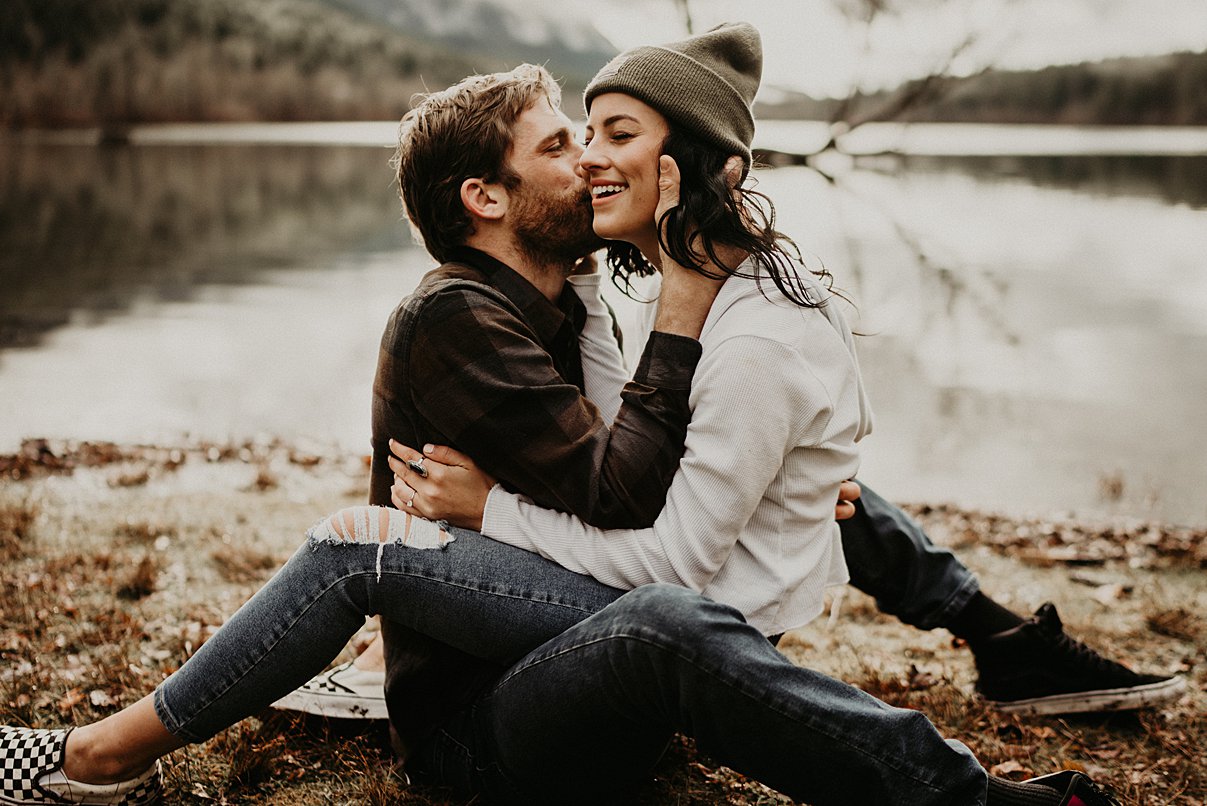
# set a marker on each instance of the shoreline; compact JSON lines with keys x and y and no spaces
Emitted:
{"x":1074,"y":539}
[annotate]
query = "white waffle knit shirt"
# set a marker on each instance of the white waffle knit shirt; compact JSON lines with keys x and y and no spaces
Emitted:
{"x":777,"y":408}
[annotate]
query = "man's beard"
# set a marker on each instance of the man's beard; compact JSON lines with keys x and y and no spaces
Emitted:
{"x":554,"y":228}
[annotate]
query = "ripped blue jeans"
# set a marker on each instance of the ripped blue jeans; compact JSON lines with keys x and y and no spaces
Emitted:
{"x":598,"y":679}
{"x":483,"y":597}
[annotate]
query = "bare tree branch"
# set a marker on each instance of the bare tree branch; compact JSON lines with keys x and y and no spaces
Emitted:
{"x":913,"y":92}
{"x":687,"y":15}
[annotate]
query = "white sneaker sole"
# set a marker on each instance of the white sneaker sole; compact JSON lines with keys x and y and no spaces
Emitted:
{"x":333,"y":706}
{"x":1105,"y":700}
{"x":145,"y":790}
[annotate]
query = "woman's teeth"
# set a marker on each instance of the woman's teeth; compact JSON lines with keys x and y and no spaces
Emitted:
{"x":606,"y":190}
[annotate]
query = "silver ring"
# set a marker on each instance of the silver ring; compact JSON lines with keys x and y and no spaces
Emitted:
{"x":411,"y":503}
{"x":417,"y":467}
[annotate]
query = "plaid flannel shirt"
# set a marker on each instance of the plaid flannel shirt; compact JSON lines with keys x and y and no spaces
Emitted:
{"x":477,"y":358}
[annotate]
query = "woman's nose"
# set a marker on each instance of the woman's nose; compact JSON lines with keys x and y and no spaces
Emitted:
{"x":592,"y":157}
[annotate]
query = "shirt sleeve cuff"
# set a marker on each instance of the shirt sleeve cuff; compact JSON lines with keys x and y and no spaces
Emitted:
{"x":585,"y":281}
{"x":500,"y":516}
{"x":586,"y":286}
{"x":668,"y":361}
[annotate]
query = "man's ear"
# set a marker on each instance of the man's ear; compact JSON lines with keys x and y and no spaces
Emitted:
{"x":484,"y":199}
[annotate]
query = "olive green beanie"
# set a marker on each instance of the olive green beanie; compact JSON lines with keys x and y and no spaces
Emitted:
{"x":705,"y":83}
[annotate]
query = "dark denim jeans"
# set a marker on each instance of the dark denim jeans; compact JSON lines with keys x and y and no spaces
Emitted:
{"x":594,"y":689}
{"x":891,"y":559}
{"x":485,"y":598}
{"x":585,"y":716}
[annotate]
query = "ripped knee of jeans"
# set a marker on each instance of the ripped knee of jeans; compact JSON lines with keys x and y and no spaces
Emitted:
{"x":381,"y":525}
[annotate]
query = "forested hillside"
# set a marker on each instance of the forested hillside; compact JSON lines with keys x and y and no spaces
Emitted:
{"x":64,"y":62}
{"x":1157,"y":90}
{"x":110,"y":62}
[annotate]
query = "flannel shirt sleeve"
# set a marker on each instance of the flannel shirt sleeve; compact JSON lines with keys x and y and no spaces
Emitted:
{"x":482,"y":378}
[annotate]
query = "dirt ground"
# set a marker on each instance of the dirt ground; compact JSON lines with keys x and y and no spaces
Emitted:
{"x":118,"y":561}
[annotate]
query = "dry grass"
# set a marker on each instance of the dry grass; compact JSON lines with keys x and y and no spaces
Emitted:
{"x":1177,"y":623}
{"x":245,"y":564}
{"x":16,"y":522}
{"x":142,"y":579}
{"x":265,"y":480}
{"x":1147,"y":757}
{"x":97,"y":606}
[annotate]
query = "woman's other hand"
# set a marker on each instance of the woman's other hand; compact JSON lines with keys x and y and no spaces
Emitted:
{"x":686,"y":295}
{"x":848,"y":493}
{"x":454,"y":489}
{"x":668,"y":186}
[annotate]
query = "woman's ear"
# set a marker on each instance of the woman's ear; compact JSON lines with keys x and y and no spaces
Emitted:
{"x":482,"y":199}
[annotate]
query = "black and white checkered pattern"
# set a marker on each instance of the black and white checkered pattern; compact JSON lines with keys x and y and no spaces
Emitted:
{"x":327,"y":684}
{"x":344,"y":692}
{"x":25,"y":756}
{"x":28,"y":754}
{"x":149,"y":790}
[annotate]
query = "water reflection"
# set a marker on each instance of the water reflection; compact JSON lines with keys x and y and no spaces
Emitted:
{"x":1030,"y":339}
{"x":1040,"y":322}
{"x":1177,"y":180}
{"x":91,"y":230}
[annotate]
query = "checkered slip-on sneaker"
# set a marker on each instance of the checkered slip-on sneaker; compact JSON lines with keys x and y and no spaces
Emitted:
{"x":344,"y":692}
{"x":31,"y":772}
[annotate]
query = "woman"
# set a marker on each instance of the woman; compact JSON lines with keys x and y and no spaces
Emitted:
{"x":777,"y":402}
{"x":592,"y":705}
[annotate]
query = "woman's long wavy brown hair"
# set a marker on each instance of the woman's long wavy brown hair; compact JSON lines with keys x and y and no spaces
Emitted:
{"x":710,"y":214}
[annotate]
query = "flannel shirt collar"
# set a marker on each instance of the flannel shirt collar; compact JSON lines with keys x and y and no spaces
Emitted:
{"x":546,"y":318}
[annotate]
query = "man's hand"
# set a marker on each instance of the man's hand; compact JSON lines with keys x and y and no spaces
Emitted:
{"x":848,"y":492}
{"x":454,"y":489}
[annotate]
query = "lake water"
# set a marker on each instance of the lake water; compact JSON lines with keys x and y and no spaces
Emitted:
{"x":1035,"y":299}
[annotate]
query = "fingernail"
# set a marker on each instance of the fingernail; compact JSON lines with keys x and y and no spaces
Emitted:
{"x":429,"y":448}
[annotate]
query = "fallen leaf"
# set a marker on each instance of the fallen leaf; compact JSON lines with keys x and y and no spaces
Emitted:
{"x":1110,"y":593}
{"x":1010,"y":769}
{"x":70,"y":700}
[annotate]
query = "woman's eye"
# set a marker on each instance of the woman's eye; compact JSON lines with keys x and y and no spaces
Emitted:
{"x":621,"y":136}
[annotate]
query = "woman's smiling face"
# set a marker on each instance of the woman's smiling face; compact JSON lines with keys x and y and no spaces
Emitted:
{"x":624,"y":141}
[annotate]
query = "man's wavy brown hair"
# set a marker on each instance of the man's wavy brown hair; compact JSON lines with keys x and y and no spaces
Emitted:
{"x":460,"y":133}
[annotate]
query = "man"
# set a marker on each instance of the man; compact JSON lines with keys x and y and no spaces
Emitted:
{"x":485,"y":353}
{"x":460,"y":365}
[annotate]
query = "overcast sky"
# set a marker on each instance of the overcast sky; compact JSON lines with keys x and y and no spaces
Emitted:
{"x":810,"y":45}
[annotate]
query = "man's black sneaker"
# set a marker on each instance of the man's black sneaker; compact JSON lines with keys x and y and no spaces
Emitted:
{"x":1036,"y":668}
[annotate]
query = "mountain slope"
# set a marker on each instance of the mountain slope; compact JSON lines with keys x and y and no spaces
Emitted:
{"x":494,"y":36}
{"x":70,"y":63}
